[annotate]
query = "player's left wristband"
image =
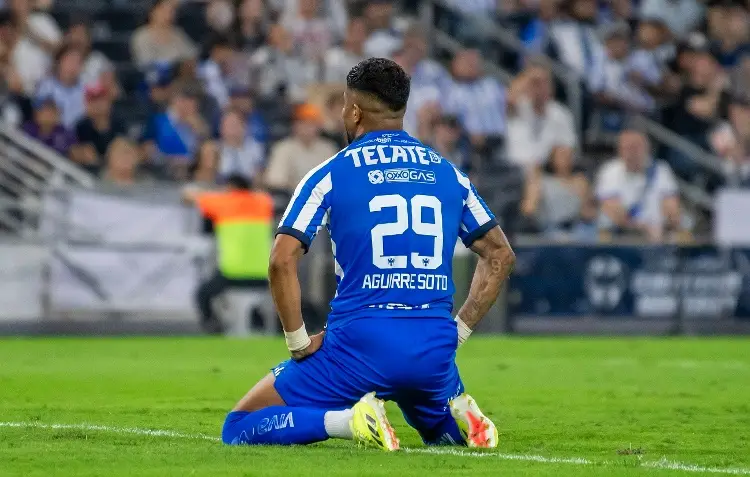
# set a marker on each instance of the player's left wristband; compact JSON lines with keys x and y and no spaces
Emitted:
{"x":463,"y":331}
{"x":297,"y":340}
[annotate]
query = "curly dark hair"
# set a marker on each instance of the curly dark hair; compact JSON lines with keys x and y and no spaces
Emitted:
{"x":382,"y":78}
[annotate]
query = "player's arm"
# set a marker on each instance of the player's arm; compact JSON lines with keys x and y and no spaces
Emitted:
{"x":285,"y":288}
{"x":304,"y":216}
{"x":496,"y":261}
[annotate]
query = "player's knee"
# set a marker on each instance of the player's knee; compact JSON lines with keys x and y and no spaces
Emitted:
{"x":231,"y":433}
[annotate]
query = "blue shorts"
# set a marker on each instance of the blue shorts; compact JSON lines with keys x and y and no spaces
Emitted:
{"x":407,"y":360}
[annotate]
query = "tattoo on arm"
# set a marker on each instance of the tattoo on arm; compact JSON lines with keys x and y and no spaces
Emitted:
{"x":496,"y":261}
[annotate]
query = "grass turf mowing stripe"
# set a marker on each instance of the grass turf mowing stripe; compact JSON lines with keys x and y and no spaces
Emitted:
{"x":661,"y":464}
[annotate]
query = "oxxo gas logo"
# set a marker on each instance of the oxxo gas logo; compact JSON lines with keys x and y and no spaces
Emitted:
{"x":410,"y":175}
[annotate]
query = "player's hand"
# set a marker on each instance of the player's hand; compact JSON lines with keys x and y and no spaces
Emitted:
{"x":316,"y":341}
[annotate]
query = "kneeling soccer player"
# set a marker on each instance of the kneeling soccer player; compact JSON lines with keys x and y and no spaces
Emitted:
{"x":394,"y":209}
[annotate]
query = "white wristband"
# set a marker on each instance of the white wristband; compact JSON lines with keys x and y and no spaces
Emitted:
{"x":463,"y":331}
{"x":297,"y":340}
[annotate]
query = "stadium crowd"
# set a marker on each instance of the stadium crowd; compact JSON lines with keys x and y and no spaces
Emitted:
{"x":196,"y":92}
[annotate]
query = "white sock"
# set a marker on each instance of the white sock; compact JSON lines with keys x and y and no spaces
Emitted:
{"x":337,"y":424}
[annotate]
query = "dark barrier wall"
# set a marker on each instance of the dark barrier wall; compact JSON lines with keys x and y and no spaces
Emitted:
{"x":644,"y":282}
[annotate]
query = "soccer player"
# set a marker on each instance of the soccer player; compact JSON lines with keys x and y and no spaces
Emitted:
{"x":394,"y":209}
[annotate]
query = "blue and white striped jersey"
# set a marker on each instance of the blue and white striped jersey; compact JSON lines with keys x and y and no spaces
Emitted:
{"x":394,"y":209}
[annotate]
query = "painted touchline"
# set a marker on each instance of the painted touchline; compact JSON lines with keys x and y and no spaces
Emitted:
{"x":661,"y":464}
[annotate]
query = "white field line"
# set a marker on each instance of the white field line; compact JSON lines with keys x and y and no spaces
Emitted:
{"x":661,"y":464}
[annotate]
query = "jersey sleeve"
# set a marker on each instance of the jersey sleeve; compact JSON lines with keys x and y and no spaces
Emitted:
{"x":476,"y":218}
{"x":308,"y":209}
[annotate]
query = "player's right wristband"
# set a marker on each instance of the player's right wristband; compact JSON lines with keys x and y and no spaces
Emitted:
{"x":297,"y":340}
{"x":463,"y":331}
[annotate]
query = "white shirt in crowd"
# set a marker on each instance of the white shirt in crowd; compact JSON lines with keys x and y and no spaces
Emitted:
{"x":215,"y":82}
{"x":430,"y":72}
{"x":383,"y":43}
{"x":577,"y":45}
{"x":650,"y":64}
{"x":30,"y":60}
{"x":531,"y":137}
{"x":70,"y":100}
{"x":337,"y":63}
{"x":246,"y":160}
{"x":611,"y":77}
{"x":681,"y":16}
{"x":642,"y":191}
{"x":479,"y":105}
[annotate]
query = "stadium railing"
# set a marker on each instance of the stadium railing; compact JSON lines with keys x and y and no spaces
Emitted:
{"x":28,"y":169}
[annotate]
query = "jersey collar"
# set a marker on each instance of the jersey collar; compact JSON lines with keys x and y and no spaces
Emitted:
{"x":371,"y":134}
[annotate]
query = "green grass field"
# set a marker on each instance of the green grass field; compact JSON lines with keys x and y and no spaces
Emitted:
{"x":575,"y":407}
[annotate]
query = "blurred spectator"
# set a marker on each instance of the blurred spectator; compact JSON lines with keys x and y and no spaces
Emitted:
{"x":478,"y":100}
{"x":241,"y":99}
{"x":701,"y":104}
{"x":430,"y":83}
{"x":536,"y":122}
{"x":219,"y":17}
{"x":15,"y":107}
{"x":65,"y":86}
{"x":187,"y":78}
{"x":574,"y":40}
{"x":158,"y":80}
{"x":638,"y":195}
{"x":680,"y":67}
{"x":648,"y":63}
{"x":215,"y":71}
{"x":740,"y":78}
{"x":611,"y":79}
{"x":311,"y":32}
{"x":414,"y":59}
{"x":485,"y":8}
{"x":423,"y":106}
{"x":95,"y":63}
{"x":239,"y":153}
{"x":206,"y":169}
{"x":96,"y":131}
{"x":278,"y":70}
{"x":728,"y":30}
{"x":334,"y":10}
{"x":171,"y":138}
{"x":731,"y":141}
{"x":293,"y":157}
{"x":681,"y":16}
{"x":123,"y":159}
{"x":251,"y":25}
{"x":242,"y":218}
{"x":160,"y":40}
{"x":447,"y":141}
{"x":557,"y":198}
{"x":333,"y":122}
{"x":40,"y":37}
{"x":618,"y":11}
{"x":339,"y":60}
{"x":47,"y":128}
{"x":384,"y":37}
{"x":535,"y":34}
